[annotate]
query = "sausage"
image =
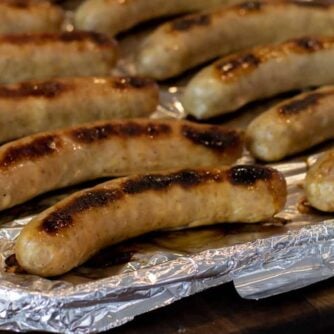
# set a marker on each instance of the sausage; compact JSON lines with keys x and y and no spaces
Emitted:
{"x":253,"y":74}
{"x":70,"y":232}
{"x":36,"y":106}
{"x":44,"y":56}
{"x":39,"y":163}
{"x":192,"y":40}
{"x":114,"y":16}
{"x":319,"y":183}
{"x":29,"y":16}
{"x":293,"y":125}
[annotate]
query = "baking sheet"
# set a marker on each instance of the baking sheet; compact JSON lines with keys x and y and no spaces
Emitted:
{"x":291,"y":251}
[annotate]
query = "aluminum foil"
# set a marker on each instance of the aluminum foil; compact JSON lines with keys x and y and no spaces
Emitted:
{"x":293,"y":250}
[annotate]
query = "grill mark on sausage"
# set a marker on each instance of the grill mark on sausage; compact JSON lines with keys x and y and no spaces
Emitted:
{"x":22,"y":4}
{"x":184,"y":178}
{"x":130,"y":129}
{"x":48,"y":89}
{"x":65,"y":37}
{"x":251,"y":6}
{"x":228,"y":67}
{"x":300,"y":105}
{"x":248,"y":175}
{"x":190,"y":21}
{"x":39,"y":147}
{"x":63,"y":218}
{"x":131,"y":82}
{"x":213,"y":137}
{"x":320,"y":5}
{"x":308,"y":44}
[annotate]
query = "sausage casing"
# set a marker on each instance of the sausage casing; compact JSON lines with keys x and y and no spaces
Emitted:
{"x":43,"y":56}
{"x":319,"y":183}
{"x":114,"y":16}
{"x":258,"y":73}
{"x":293,"y":125}
{"x":192,"y":40}
{"x":37,"y":106}
{"x":70,"y":232}
{"x":29,"y":16}
{"x":33,"y":165}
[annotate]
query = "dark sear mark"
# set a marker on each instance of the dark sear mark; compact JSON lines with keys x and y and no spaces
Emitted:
{"x":300,"y":105}
{"x":311,"y":4}
{"x":249,"y":175}
{"x":251,"y":5}
{"x":308,"y":44}
{"x":65,"y":37}
{"x":12,"y":266}
{"x":17,"y":3}
{"x":62,"y":218}
{"x":131,"y":82}
{"x":185,"y":178}
{"x":248,"y":60}
{"x":130,"y":129}
{"x":187,"y":22}
{"x":47,"y":89}
{"x":38,"y":148}
{"x":214,"y":137}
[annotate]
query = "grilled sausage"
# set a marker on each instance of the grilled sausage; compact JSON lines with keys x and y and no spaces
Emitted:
{"x":114,"y":16}
{"x":319,"y":183}
{"x":293,"y":125}
{"x":70,"y":232}
{"x":261,"y":72}
{"x":36,"y":106}
{"x":43,"y":56}
{"x":192,"y":40}
{"x":39,"y":163}
{"x":29,"y":16}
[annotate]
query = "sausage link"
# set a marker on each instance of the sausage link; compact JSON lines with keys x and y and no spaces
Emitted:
{"x":293,"y":125}
{"x":70,"y":232}
{"x":192,"y":40}
{"x":44,"y":56}
{"x":29,"y":16}
{"x":258,"y":73}
{"x":34,"y":165}
{"x":319,"y":183}
{"x":36,"y":106}
{"x":113,"y":16}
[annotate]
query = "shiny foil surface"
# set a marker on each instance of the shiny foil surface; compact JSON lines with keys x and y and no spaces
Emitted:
{"x":293,"y":250}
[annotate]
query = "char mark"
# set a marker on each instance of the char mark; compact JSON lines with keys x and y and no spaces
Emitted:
{"x":184,"y":178}
{"x":190,"y":21}
{"x":245,"y":61}
{"x":130,"y":129}
{"x":308,"y":44}
{"x":298,"y":106}
{"x":312,"y":4}
{"x":38,"y":148}
{"x":131,"y":82}
{"x":248,"y":175}
{"x":48,"y":89}
{"x":251,"y":6}
{"x":22,"y":4}
{"x":65,"y":37}
{"x":213,"y":137}
{"x":63,"y":218}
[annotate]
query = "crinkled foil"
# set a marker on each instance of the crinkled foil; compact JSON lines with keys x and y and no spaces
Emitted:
{"x":293,"y":250}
